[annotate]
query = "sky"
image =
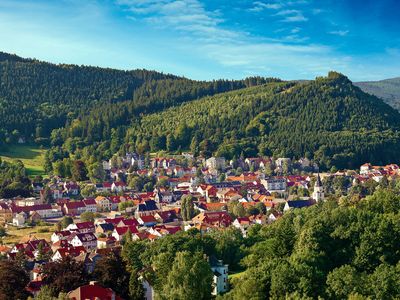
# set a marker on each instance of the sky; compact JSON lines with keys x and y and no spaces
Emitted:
{"x":204,"y":40}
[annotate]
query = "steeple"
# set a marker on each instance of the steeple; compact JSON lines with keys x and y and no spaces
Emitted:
{"x":318,"y":182}
{"x":318,"y":193}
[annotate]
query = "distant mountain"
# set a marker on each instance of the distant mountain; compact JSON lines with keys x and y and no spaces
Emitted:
{"x":388,"y":90}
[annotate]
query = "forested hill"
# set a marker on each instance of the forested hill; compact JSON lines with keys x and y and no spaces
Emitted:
{"x":388,"y":90}
{"x":37,"y":97}
{"x":328,"y":118}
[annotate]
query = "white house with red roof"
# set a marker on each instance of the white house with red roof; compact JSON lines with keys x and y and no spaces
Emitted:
{"x":86,"y":240}
{"x":82,"y":227}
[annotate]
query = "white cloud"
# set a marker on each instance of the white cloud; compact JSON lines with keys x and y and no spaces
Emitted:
{"x":260,"y":6}
{"x":292,"y":15}
{"x":339,"y":32}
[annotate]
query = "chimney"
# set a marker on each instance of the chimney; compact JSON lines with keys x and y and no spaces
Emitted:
{"x":92,"y":282}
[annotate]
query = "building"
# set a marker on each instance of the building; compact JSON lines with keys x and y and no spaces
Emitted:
{"x":274,"y":184}
{"x":93,"y":291}
{"x":216,"y":163}
{"x":318,"y":193}
{"x":220,"y":279}
{"x":87,"y":240}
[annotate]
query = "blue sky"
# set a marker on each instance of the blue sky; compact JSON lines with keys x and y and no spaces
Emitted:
{"x":295,"y":39}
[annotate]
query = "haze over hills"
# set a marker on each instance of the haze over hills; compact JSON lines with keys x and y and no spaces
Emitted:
{"x":388,"y":90}
{"x":102,"y":111}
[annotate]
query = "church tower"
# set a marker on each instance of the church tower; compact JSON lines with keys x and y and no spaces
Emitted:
{"x":318,"y":194}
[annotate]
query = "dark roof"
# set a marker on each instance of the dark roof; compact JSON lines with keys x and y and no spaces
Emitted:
{"x":107,"y":226}
{"x":299,"y":203}
{"x":147,"y":205}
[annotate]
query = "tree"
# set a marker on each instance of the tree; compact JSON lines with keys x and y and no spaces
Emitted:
{"x":87,"y":216}
{"x":65,"y":221}
{"x":46,"y":293}
{"x":88,"y":190}
{"x":13,"y":280}
{"x":78,"y":170}
{"x":343,"y":281}
{"x":47,"y":195}
{"x":190,"y":278}
{"x":64,"y":275}
{"x":48,"y":166}
{"x":187,"y":207}
{"x":110,"y":271}
{"x":136,"y":291}
{"x":96,"y":172}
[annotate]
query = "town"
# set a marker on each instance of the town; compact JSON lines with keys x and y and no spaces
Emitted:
{"x":145,"y":199}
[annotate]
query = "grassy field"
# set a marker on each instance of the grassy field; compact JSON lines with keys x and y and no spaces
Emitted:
{"x":31,"y":156}
{"x":17,"y":235}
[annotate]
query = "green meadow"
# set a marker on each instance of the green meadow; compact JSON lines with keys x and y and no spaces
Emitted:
{"x":31,"y":156}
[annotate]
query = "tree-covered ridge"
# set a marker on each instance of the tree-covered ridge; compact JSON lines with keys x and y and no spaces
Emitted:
{"x":328,"y":117}
{"x":37,"y":97}
{"x":388,"y":90}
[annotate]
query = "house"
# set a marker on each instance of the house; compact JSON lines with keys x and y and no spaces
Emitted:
{"x":220,"y":278}
{"x":273,"y":216}
{"x":19,"y":219}
{"x":147,"y":220}
{"x":365,"y":168}
{"x":87,"y":240}
{"x":128,"y":222}
{"x":71,"y":188}
{"x":60,"y":236}
{"x":93,"y":291}
{"x":71,"y":251}
{"x":103,"y":203}
{"x":274,"y":184}
{"x":118,"y":186}
{"x":106,"y":242}
{"x":74,"y":208}
{"x":82,"y":227}
{"x":215,"y":218}
{"x":104,"y":228}
{"x":46,"y":211}
{"x":119,"y":232}
{"x":148,"y":207}
{"x":242,"y":224}
{"x":216,"y":163}
{"x":90,"y":205}
{"x":165,"y":216}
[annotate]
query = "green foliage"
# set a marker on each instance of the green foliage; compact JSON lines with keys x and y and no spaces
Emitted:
{"x":190,"y":278}
{"x":13,"y":280}
{"x":111,"y":272}
{"x":187,"y":207}
{"x":65,"y":221}
{"x":64,"y":275}
{"x":329,"y":117}
{"x":87,"y":216}
{"x":13,"y":180}
{"x":327,"y":251}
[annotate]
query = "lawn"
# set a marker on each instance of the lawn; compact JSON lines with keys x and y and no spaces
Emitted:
{"x":31,"y":156}
{"x":17,"y":235}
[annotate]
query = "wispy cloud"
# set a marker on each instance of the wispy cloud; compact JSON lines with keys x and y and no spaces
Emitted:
{"x":260,"y":6}
{"x":292,"y":15}
{"x":186,"y":16}
{"x":339,"y":32}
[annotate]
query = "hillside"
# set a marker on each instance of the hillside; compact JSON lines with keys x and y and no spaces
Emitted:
{"x":37,"y":97}
{"x":328,"y":118}
{"x":388,"y":90}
